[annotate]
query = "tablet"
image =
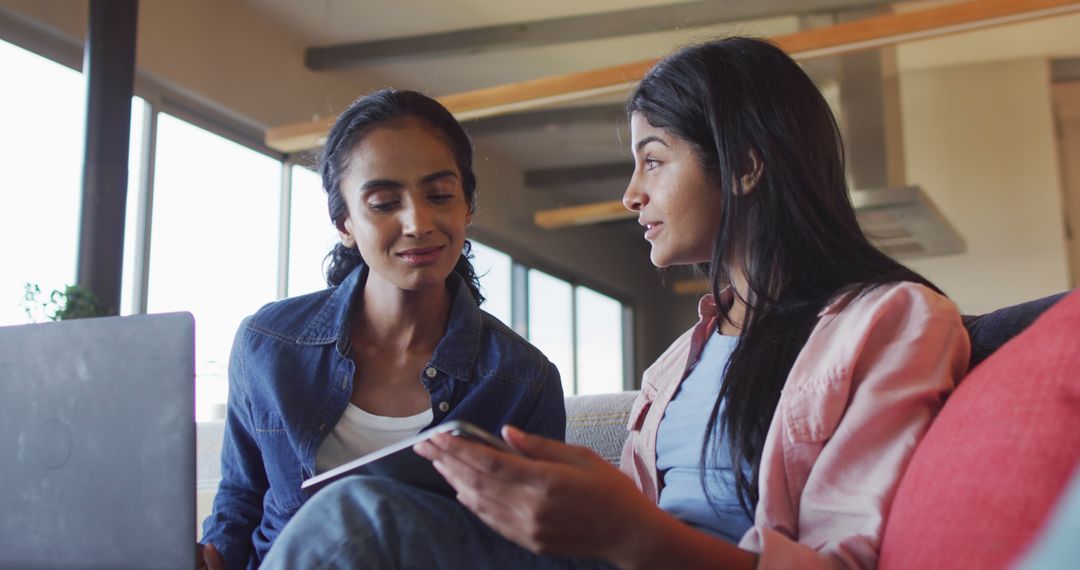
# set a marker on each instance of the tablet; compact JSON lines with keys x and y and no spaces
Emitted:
{"x":401,"y":463}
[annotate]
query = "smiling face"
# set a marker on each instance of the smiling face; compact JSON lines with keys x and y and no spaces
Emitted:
{"x":407,"y":208}
{"x":676,"y":202}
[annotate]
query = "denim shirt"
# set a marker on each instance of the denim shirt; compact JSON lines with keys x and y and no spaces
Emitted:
{"x":290,"y":380}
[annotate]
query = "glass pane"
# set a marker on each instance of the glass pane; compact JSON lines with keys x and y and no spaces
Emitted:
{"x":42,"y":116}
{"x":550,"y":327}
{"x":599,"y":343}
{"x":311,"y":233}
{"x":131,"y":214}
{"x":214,"y":248}
{"x":493,"y":267}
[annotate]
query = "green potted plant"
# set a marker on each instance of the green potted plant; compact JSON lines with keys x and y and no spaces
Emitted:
{"x":74,"y":302}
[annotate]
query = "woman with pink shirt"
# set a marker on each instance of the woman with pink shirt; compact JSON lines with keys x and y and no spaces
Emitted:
{"x":773,"y":433}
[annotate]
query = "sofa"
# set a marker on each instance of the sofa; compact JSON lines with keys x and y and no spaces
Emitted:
{"x":954,"y":509}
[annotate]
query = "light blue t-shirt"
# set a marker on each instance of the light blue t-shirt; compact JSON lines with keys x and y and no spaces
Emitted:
{"x":678,"y":450}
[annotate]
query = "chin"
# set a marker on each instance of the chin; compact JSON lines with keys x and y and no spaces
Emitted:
{"x":659,"y":260}
{"x":424,"y":282}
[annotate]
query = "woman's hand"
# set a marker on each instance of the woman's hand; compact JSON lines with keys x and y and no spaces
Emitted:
{"x":560,"y":500}
{"x":208,"y":558}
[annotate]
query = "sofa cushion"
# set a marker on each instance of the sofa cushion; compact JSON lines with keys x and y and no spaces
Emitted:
{"x":988,"y":332}
{"x":599,"y":422}
{"x":989,"y":469}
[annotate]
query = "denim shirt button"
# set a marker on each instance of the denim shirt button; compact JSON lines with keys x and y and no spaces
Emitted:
{"x":430,"y":373}
{"x":444,"y":406}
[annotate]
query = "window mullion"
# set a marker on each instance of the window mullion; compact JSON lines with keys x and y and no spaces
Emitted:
{"x":284,"y":224}
{"x":144,"y":218}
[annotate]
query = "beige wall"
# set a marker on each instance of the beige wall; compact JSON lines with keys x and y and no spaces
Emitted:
{"x":980,"y":140}
{"x":1067,"y":107}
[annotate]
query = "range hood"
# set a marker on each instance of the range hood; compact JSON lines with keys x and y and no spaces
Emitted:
{"x":903,"y":223}
{"x":900,"y":219}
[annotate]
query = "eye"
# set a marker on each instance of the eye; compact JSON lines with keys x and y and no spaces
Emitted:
{"x":650,"y":163}
{"x":383,"y":206}
{"x":441,"y":198}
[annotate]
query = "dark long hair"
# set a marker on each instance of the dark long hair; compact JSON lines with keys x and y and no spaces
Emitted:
{"x":390,"y":108}
{"x":794,"y":236}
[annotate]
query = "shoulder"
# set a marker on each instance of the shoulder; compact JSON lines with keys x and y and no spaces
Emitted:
{"x":887,"y":323}
{"x":898,"y":303}
{"x":288,"y":318}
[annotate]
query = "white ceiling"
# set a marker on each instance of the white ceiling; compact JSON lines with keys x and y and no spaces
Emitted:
{"x":325,"y":22}
{"x":320,"y":23}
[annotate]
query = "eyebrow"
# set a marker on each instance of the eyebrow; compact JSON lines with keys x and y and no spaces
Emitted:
{"x":641,"y":143}
{"x":437,"y":175}
{"x":385,"y":184}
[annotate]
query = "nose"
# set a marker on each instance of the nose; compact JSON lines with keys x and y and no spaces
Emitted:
{"x":417,"y":219}
{"x":634,"y":198}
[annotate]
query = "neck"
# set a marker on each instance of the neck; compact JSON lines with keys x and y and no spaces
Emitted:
{"x":736,"y":313}
{"x":400,"y":320}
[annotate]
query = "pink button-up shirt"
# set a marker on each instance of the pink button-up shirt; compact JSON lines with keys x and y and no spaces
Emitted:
{"x":860,"y":396}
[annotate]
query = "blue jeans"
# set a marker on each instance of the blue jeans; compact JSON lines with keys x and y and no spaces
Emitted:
{"x":372,"y":522}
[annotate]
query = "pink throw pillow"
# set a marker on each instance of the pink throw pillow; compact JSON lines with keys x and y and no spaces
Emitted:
{"x":987,"y":473}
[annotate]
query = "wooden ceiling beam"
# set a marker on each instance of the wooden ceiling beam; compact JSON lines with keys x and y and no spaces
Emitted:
{"x":610,"y":24}
{"x":847,"y":37}
{"x":585,"y":214}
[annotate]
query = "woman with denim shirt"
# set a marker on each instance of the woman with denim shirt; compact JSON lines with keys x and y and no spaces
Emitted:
{"x":397,"y":344}
{"x":773,"y":433}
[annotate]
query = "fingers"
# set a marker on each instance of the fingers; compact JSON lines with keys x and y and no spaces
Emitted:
{"x":478,"y":456}
{"x":539,"y":447}
{"x":475,"y":468}
{"x":212,"y":558}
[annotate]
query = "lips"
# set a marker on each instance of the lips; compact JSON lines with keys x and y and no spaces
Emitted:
{"x":651,"y":228}
{"x":421,"y":256}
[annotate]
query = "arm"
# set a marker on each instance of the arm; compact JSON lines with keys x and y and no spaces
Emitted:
{"x":566,"y":501}
{"x":238,"y":503}
{"x":548,"y":414}
{"x":907,"y":349}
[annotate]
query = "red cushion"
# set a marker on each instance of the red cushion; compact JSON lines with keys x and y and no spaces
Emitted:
{"x":988,"y":471}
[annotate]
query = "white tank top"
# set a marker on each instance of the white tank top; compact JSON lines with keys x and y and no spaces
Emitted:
{"x":359,"y":433}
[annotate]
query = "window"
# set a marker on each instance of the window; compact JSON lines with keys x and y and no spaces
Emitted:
{"x":311,"y":233}
{"x":215,"y":242}
{"x":551,"y":323}
{"x":42,"y":113}
{"x":494,"y":267}
{"x":580,"y":331}
{"x":599,"y":342}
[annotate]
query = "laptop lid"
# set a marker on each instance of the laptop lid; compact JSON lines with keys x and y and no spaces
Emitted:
{"x":97,"y":443}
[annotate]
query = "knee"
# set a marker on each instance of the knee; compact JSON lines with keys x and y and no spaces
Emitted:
{"x":345,"y":516}
{"x":352,"y":499}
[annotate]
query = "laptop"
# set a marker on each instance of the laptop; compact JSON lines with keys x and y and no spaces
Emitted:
{"x":97,"y":443}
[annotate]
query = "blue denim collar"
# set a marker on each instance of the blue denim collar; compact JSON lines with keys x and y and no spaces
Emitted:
{"x":455,"y":354}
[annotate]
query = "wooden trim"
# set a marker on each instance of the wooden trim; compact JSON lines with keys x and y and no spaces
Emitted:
{"x":891,"y":29}
{"x":581,"y":215}
{"x":691,"y":286}
{"x":299,"y":136}
{"x":868,"y":33}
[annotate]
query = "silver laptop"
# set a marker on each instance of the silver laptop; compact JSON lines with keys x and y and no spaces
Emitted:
{"x":97,"y":443}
